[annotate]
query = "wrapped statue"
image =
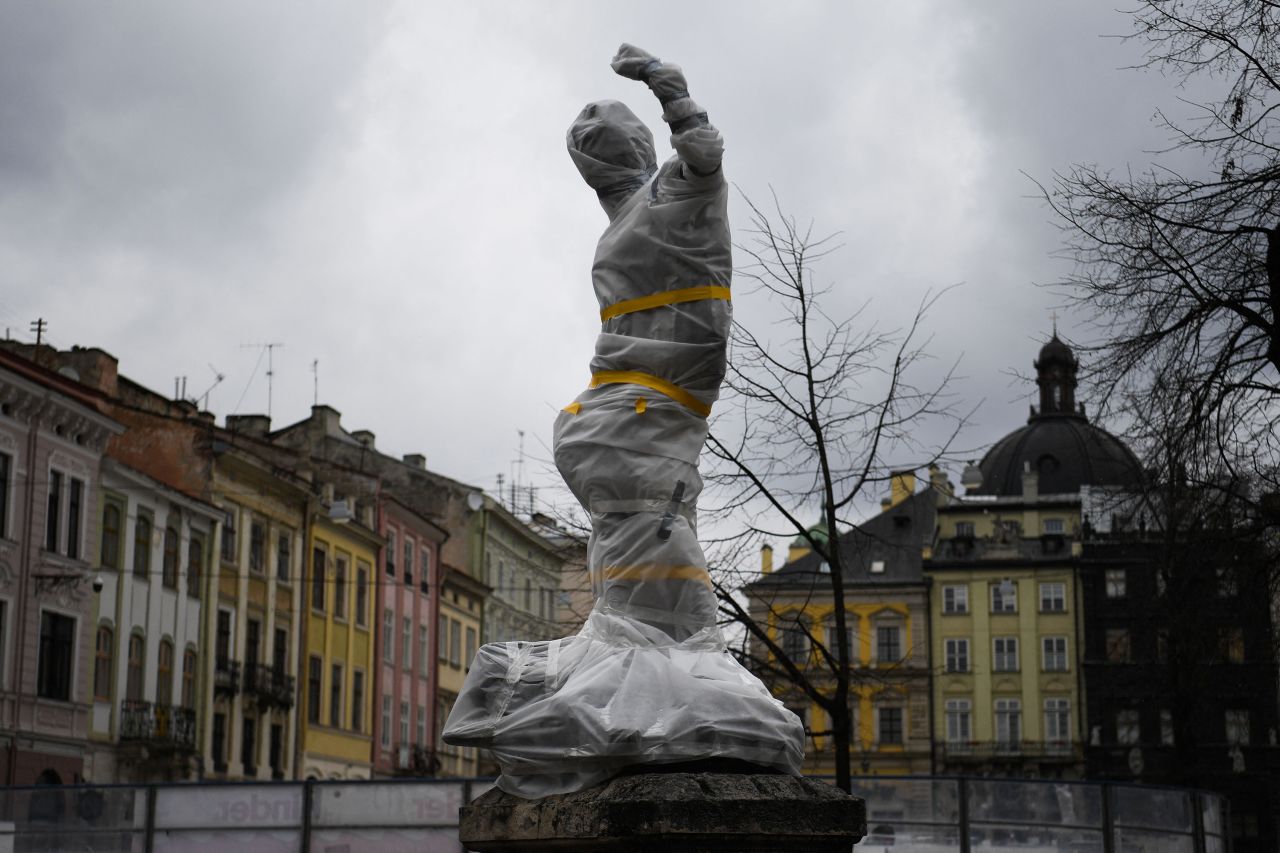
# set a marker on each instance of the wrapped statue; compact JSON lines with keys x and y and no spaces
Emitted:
{"x":648,"y":678}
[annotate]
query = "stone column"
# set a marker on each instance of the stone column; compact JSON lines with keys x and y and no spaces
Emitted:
{"x":673,"y":812}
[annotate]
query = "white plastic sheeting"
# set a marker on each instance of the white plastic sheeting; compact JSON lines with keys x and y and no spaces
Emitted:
{"x":648,"y":678}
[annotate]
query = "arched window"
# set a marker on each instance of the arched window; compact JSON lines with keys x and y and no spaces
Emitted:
{"x":111,"y":516}
{"x":169,"y":573}
{"x":164,"y":669}
{"x":133,"y":681}
{"x":195,"y":565}
{"x":102,"y":664}
{"x":142,"y":545}
{"x":189,"y":678}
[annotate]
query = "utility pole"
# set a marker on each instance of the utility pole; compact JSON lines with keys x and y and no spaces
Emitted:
{"x":38,"y":326}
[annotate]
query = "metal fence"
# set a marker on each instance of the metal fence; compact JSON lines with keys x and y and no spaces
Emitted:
{"x":398,"y":816}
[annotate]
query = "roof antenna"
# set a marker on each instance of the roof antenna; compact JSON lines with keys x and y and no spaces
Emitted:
{"x":315,"y":372}
{"x":270,"y":348}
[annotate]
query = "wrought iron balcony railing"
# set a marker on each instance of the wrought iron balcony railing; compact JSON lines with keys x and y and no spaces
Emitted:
{"x":226,"y":676}
{"x":272,"y":685}
{"x":158,"y":726}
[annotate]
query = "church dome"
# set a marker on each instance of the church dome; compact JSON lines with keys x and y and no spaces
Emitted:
{"x":1058,"y":442}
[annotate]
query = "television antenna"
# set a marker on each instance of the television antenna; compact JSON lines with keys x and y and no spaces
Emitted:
{"x":203,"y":400}
{"x":270,"y":351}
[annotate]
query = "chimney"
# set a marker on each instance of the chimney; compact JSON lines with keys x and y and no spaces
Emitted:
{"x":416,"y":460}
{"x":329,"y":419}
{"x":254,"y":426}
{"x":364,"y":436}
{"x":941,"y":485}
{"x":902,"y":485}
{"x":766,"y":559}
{"x":1030,"y":482}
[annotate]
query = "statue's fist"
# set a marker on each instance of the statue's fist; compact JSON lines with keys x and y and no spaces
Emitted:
{"x":630,"y":61}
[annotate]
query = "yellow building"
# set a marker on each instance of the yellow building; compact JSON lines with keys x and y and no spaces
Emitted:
{"x":886,"y":607}
{"x":338,"y":664}
{"x":1005,"y":600}
{"x":462,"y":600}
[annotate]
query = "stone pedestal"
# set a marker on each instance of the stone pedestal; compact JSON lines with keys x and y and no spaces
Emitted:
{"x":673,"y":812}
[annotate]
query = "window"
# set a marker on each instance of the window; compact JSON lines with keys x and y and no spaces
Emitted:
{"x":471,"y":645}
{"x":391,"y":553}
{"x":1057,"y":721}
{"x":1054,"y":527}
{"x":6,"y":467}
{"x":142,"y":545}
{"x":408,"y":561}
{"x":1055,"y":654}
{"x":257,"y":546}
{"x":850,"y":636}
{"x":1004,"y":597}
{"x":1128,"y":727}
{"x":229,"y":537}
{"x":964,"y":529}
{"x":1114,"y":580}
{"x":795,"y":642}
{"x":877,"y":567}
{"x":442,"y":638}
{"x":318,"y":557}
{"x":1227,"y":585}
{"x":422,"y":726}
{"x":222,"y":638}
{"x":1166,"y":727}
{"x":424,"y":569}
{"x":189,"y":678}
{"x":388,"y":636}
{"x":362,"y":594}
{"x":219,"y":745}
{"x":195,"y":565}
{"x":528,"y":595}
{"x":1008,"y":723}
{"x":275,"y":751}
{"x":959,"y":713}
{"x":340,"y":587}
{"x":889,"y":722}
{"x":1053,"y":598}
{"x":955,"y":599}
{"x":112,"y":523}
{"x":404,"y":723}
{"x":423,"y":660}
{"x":455,"y":642}
{"x":1117,"y":650}
{"x":280,"y":652}
{"x":252,"y":641}
{"x":53,"y":518}
{"x":248,"y":738}
{"x":335,"y":695}
{"x":315,"y":672}
{"x":1231,"y":644}
{"x":406,"y":643}
{"x":386,"y":722}
{"x":1237,"y":724}
{"x":102,"y":664}
{"x":888,"y":644}
{"x":164,"y":672}
{"x":357,"y":701}
{"x":169,"y":562}
{"x":957,"y":653}
{"x":133,"y":678}
{"x":1004,"y":656}
{"x":283,"y":557}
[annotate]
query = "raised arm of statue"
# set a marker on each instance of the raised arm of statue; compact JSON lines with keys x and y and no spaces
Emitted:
{"x":695,"y":140}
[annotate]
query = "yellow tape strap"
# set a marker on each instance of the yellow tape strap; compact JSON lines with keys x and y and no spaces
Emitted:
{"x":667,"y":297}
{"x":648,"y":380}
{"x":573,"y":408}
{"x":641,"y":405}
{"x":655,"y":572}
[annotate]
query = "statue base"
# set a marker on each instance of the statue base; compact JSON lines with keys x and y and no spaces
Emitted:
{"x":671,"y":810}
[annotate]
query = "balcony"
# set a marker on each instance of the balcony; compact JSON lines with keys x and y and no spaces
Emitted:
{"x":167,"y":727}
{"x":272,"y":685}
{"x":974,"y":752}
{"x":226,"y":677}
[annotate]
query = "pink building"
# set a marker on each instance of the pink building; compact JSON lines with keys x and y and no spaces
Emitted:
{"x":408,"y":604}
{"x":52,"y":436}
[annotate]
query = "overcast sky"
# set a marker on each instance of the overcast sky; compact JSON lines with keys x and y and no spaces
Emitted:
{"x":384,"y":187}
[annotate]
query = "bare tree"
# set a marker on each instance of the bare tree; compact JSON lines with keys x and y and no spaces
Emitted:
{"x":811,"y":419}
{"x":1180,"y":268}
